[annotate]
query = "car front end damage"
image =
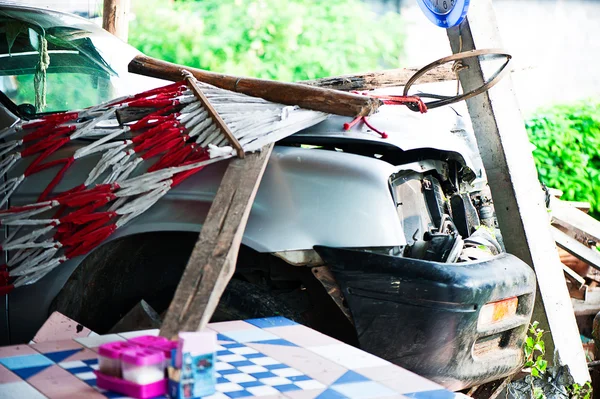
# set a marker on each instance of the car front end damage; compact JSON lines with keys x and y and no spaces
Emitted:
{"x":433,"y":293}
{"x":459,"y":324}
{"x":449,"y":303}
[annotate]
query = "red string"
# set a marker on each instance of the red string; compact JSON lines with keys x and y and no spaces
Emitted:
{"x":348,"y":126}
{"x":35,"y":166}
{"x":164,"y":146}
{"x":180,"y":177}
{"x":90,"y":241}
{"x":54,"y":119}
{"x":157,"y":139}
{"x":172,"y":88}
{"x":43,"y":131}
{"x":44,"y":144}
{"x":54,"y":182}
{"x":154,"y":131}
{"x":88,"y":196}
{"x":173,"y":158}
{"x":73,"y":217}
{"x":154,"y":121}
{"x":383,"y":134}
{"x":6,"y":289}
{"x":154,"y":102}
{"x":82,"y":234}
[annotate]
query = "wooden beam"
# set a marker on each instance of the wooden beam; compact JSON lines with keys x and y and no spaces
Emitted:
{"x":216,"y":118}
{"x":309,"y":97}
{"x":577,"y":293}
{"x":115,"y":18}
{"x":576,"y":223}
{"x":518,"y":198}
{"x":214,"y":256}
{"x":577,"y":281}
{"x":379,"y":79}
{"x":577,"y":249}
{"x":583,"y":206}
{"x":588,"y":306}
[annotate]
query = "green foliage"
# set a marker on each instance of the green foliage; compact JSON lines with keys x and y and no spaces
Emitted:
{"x":577,"y":391}
{"x":535,"y":351}
{"x":534,"y":345}
{"x":285,"y":40}
{"x":567,"y":154}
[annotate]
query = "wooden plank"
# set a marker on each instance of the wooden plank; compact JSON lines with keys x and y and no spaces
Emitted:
{"x":213,"y":258}
{"x":115,"y":18}
{"x":309,"y":97}
{"x":576,"y":292}
{"x":584,"y":308}
{"x":576,"y":265}
{"x":581,"y":205}
{"x":579,"y":225}
{"x":518,"y":198}
{"x":573,"y":277}
{"x":214,"y":115}
{"x":588,"y":306}
{"x":379,"y":79}
{"x":594,"y":275}
{"x":575,"y":248}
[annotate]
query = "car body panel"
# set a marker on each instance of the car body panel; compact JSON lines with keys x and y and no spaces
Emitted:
{"x":307,"y":197}
{"x":438,"y":335}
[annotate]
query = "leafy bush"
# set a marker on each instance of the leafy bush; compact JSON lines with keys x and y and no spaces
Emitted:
{"x":567,"y":154}
{"x":285,"y":40}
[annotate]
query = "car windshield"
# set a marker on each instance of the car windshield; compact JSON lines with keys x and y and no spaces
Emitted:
{"x":51,"y":61}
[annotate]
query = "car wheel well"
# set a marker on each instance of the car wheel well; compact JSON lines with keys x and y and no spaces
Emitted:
{"x":117,"y":275}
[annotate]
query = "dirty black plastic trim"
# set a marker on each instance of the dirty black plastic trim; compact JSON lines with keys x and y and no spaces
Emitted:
{"x":423,"y":315}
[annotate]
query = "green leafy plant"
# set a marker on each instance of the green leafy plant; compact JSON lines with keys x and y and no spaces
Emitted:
{"x":567,"y":154}
{"x":285,"y":40}
{"x":540,"y":373}
{"x":577,"y":391}
{"x":535,"y":350}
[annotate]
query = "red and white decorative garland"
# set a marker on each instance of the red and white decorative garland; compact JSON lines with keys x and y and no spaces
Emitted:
{"x":177,"y":134}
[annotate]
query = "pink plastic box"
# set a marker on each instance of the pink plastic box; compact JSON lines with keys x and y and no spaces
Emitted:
{"x":131,"y":369}
{"x":143,"y":365}
{"x":131,"y":389}
{"x":160,"y":343}
{"x":109,"y":357}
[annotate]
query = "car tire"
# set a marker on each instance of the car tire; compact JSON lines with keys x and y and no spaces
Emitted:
{"x":243,"y":300}
{"x":115,"y":277}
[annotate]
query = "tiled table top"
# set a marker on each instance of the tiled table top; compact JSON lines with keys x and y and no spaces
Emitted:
{"x":268,"y":358}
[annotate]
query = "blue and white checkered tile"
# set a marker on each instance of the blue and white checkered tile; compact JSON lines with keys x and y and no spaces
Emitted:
{"x":245,"y":372}
{"x":82,"y":369}
{"x":352,"y":385}
{"x":26,"y":366}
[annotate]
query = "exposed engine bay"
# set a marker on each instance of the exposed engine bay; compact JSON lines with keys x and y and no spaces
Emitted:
{"x":441,"y":222}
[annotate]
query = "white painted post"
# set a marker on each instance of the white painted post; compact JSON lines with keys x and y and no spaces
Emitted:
{"x":518,"y":198}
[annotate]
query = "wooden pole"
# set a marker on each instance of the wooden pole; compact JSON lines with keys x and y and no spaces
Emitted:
{"x":115,"y":18}
{"x":379,"y":79}
{"x":214,"y":256}
{"x":314,"y":98}
{"x":513,"y":180}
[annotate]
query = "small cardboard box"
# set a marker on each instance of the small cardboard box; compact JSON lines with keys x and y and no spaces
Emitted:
{"x":192,"y":371}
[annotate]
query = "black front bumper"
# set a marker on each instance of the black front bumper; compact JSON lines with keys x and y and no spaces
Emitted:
{"x":423,"y":315}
